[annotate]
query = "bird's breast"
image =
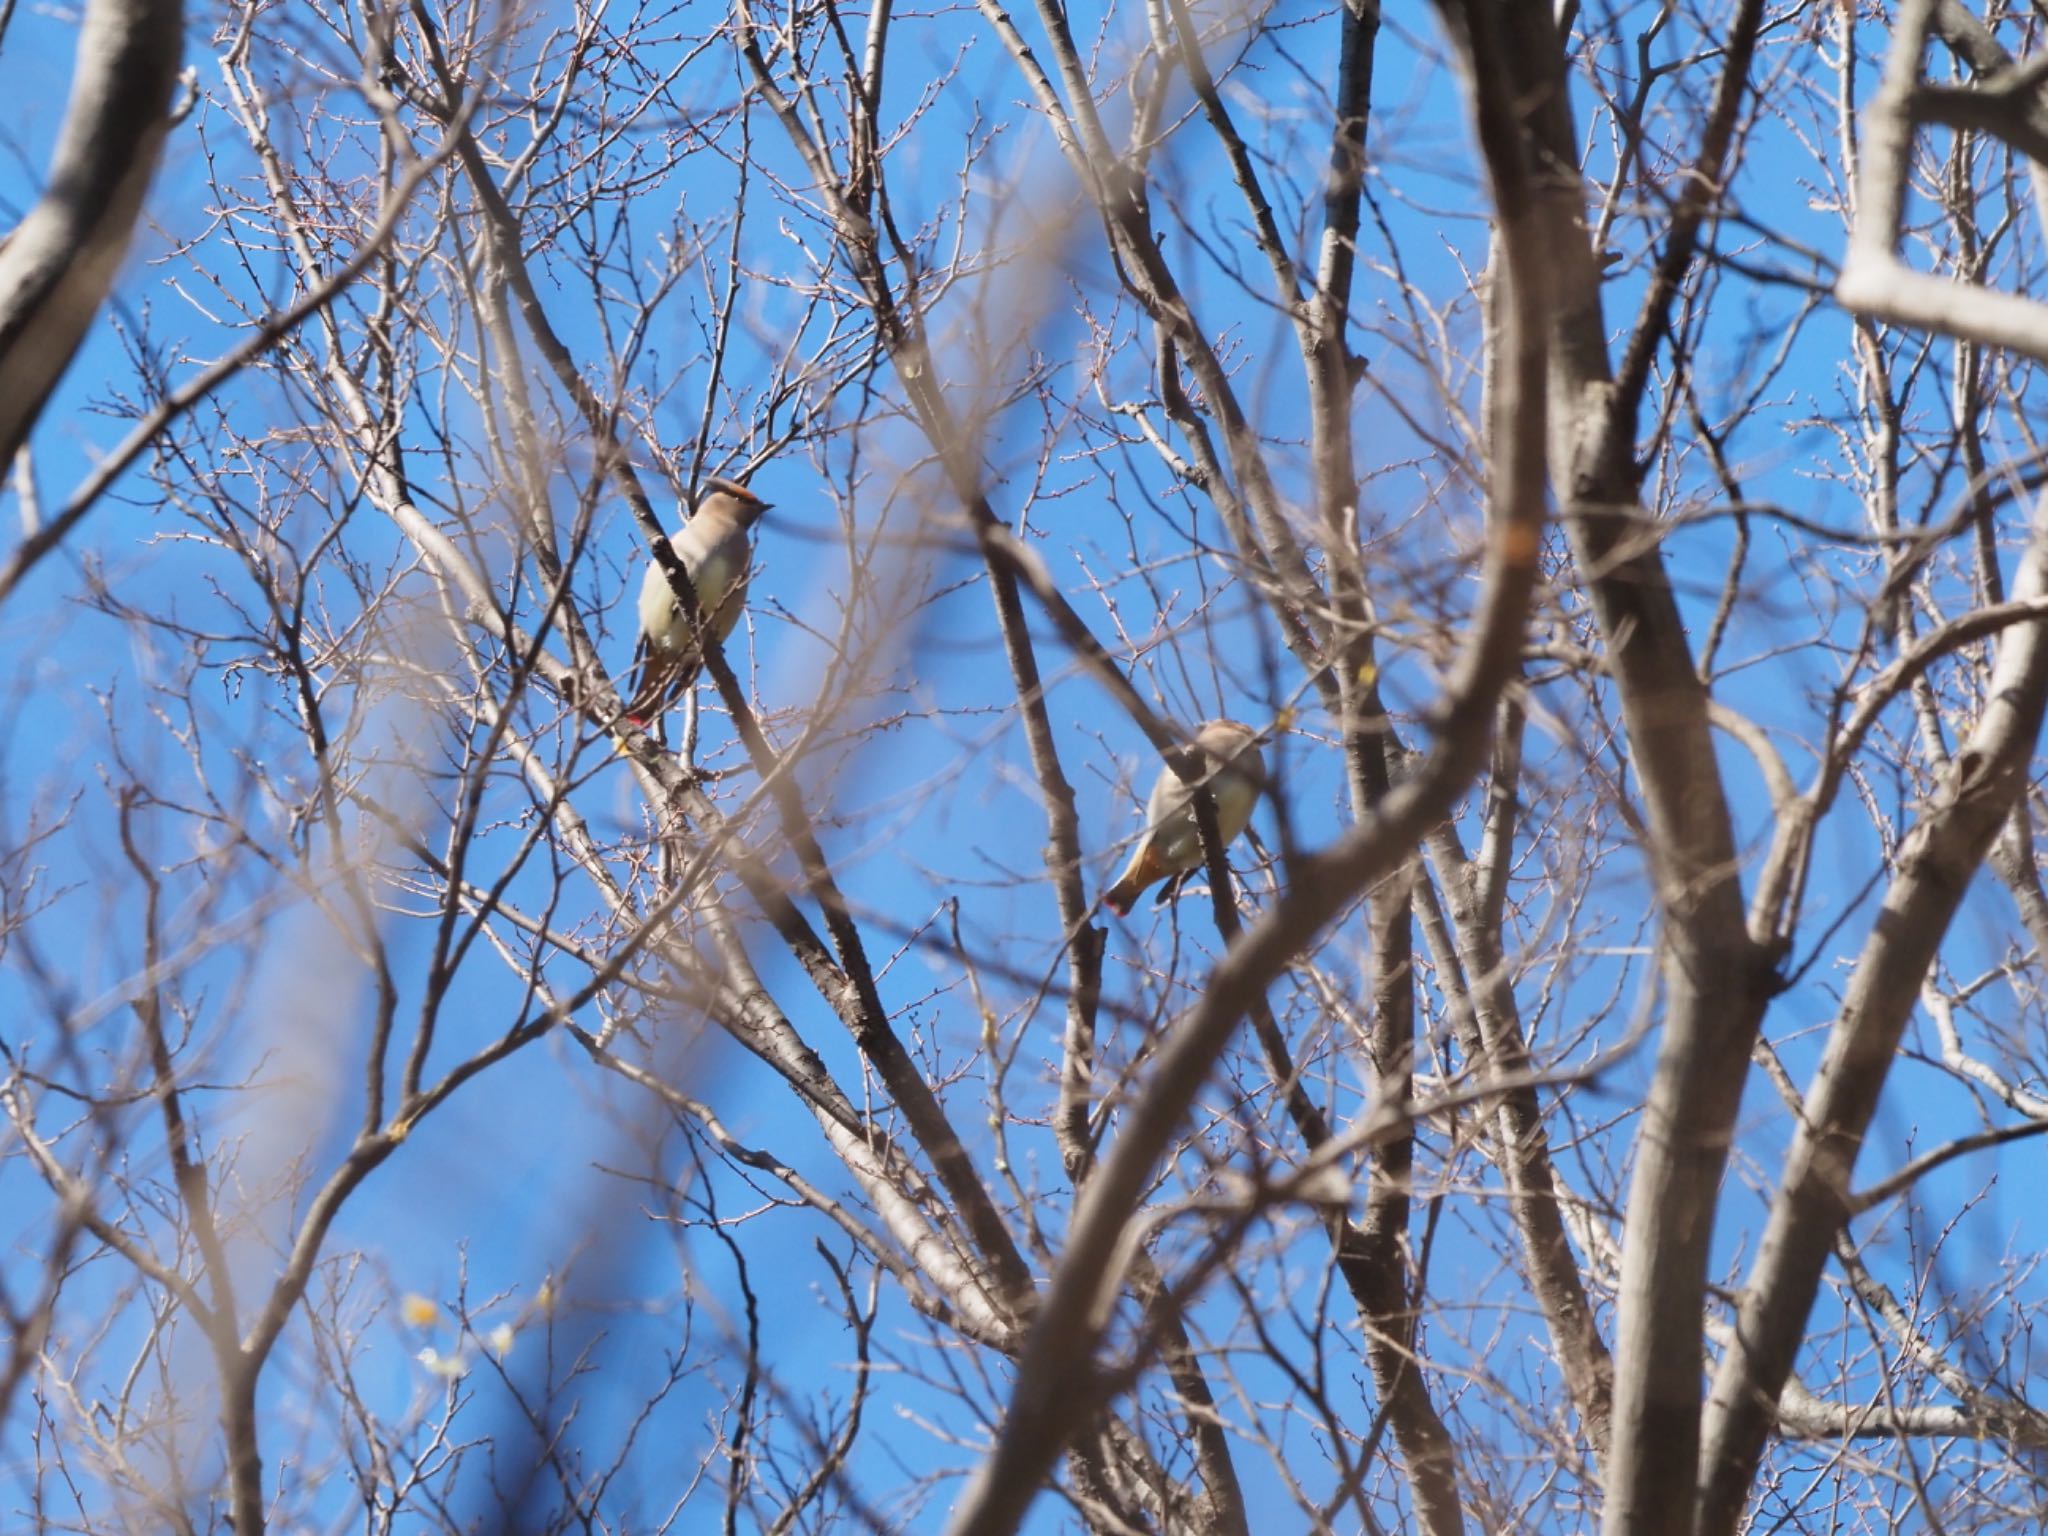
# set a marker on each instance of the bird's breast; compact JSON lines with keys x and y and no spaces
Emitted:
{"x":713,"y":576}
{"x":660,"y":622}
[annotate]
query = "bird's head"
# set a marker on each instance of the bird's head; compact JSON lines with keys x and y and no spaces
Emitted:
{"x":730,"y":499}
{"x":1228,"y":742}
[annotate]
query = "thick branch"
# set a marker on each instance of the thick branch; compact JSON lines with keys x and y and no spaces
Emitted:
{"x":58,"y":266}
{"x":1936,"y":865}
{"x":1716,"y":980}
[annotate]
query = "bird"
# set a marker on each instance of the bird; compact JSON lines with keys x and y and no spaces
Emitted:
{"x":1226,"y":758}
{"x":715,"y":551}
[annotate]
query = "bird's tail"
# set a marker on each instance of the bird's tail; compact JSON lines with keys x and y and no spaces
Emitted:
{"x":656,"y":680}
{"x":1144,"y":869}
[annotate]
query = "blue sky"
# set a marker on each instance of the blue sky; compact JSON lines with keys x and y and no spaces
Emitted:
{"x":539,"y":1167}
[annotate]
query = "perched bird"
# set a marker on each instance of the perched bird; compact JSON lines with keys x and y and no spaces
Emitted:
{"x":1230,"y":764}
{"x":715,"y":551}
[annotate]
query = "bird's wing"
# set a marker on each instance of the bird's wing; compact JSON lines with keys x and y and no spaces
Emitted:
{"x":728,"y":616}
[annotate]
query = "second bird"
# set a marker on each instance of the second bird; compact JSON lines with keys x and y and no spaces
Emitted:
{"x":1172,"y":844}
{"x":715,"y":551}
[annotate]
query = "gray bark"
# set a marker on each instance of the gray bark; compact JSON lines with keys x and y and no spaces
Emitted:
{"x":58,"y":266}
